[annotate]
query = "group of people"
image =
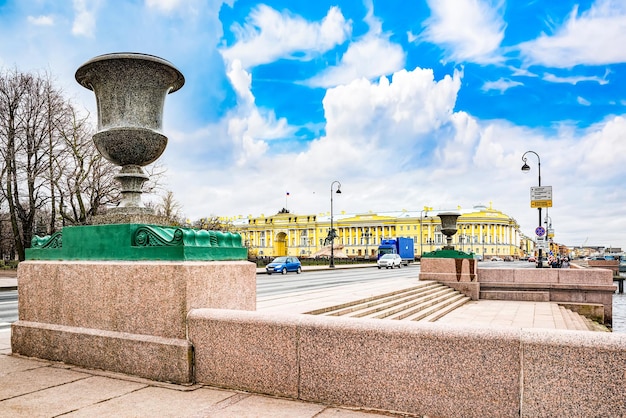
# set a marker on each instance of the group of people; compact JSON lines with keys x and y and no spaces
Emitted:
{"x":558,"y":262}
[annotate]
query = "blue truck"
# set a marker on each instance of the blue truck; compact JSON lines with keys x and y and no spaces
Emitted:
{"x":402,"y":246}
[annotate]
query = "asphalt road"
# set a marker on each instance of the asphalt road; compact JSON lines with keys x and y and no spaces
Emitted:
{"x":8,"y":308}
{"x":277,"y":284}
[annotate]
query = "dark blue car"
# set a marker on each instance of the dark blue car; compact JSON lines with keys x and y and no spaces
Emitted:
{"x":284,"y":264}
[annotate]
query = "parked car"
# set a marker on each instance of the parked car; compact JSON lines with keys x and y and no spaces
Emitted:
{"x":496,"y":259}
{"x":284,"y":264}
{"x":389,"y":260}
{"x":531,"y":259}
{"x":478,"y":257}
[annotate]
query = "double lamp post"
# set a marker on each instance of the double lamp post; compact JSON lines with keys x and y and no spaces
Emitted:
{"x":331,"y":233}
{"x":526,"y":169}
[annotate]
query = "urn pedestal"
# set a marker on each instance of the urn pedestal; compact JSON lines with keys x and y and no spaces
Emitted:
{"x":130,"y":94}
{"x":115,"y":295}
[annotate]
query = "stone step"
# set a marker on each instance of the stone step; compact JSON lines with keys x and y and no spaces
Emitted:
{"x":430,"y":300}
{"x":349,"y":307}
{"x":573,"y":320}
{"x":519,"y":295}
{"x":424,"y":304}
{"x":401,"y":304}
{"x":557,"y":314}
{"x":439,"y":310}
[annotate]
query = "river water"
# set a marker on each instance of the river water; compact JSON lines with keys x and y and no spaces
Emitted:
{"x":619,"y":312}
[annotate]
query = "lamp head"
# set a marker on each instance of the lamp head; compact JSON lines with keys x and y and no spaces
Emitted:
{"x":338,"y":190}
{"x":525,"y":168}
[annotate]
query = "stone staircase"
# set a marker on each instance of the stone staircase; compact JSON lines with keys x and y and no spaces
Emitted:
{"x":575,"y":321}
{"x":427,"y":301}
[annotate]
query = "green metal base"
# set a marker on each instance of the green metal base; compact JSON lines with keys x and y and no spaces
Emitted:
{"x":448,"y":254}
{"x":128,"y":242}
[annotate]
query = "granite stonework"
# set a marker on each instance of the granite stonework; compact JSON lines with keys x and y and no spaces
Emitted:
{"x":414,"y":368}
{"x":572,"y":286}
{"x":458,"y":273}
{"x":130,"y":90}
{"x":246,"y":351}
{"x":573,"y":374}
{"x":96,"y":312}
{"x":612,"y":265}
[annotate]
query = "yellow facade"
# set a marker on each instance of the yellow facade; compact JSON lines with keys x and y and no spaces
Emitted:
{"x":483,"y":231}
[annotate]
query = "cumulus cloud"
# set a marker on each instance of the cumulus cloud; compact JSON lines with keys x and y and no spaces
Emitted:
{"x":589,"y":38}
{"x":469,"y":30}
{"x":602,"y":147}
{"x":249,"y":127}
{"x":411,"y":103}
{"x":84,"y":19}
{"x":369,"y":57}
{"x":269,"y":35}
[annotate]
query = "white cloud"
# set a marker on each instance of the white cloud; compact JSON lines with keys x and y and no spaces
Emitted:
{"x":469,"y":30}
{"x":583,"y":101}
{"x":411,"y":104}
{"x":84,"y":19}
{"x":593,"y":38}
{"x":575,"y":79}
{"x":370,"y":57}
{"x":269,"y":35}
{"x":248,"y":126}
{"x":502,"y":85}
{"x":41,"y":20}
{"x":165,"y":6}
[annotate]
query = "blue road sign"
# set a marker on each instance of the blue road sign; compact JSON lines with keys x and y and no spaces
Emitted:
{"x":540,"y":231}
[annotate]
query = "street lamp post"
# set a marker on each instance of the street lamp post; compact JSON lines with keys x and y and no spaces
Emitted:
{"x":332,"y":229}
{"x":426,"y":209}
{"x":367,"y":236}
{"x":526,"y":169}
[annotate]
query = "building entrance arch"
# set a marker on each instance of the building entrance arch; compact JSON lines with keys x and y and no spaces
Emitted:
{"x":280,"y":244}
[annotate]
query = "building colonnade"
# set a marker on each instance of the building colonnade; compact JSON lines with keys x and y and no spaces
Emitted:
{"x":483,"y":231}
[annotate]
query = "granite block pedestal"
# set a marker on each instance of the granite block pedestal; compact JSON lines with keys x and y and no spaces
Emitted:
{"x":127,"y":317}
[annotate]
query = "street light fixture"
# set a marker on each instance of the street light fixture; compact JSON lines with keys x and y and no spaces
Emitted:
{"x":426,"y":209}
{"x":367,"y":236}
{"x":332,"y":229}
{"x":526,"y":169}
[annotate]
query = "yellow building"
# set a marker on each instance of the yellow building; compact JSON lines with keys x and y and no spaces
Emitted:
{"x":483,"y":231}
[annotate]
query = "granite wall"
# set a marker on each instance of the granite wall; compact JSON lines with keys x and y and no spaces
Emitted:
{"x":128,"y":317}
{"x":572,"y":286}
{"x":423,"y":369}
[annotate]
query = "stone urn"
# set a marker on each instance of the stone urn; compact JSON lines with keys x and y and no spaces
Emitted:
{"x":130,"y":91}
{"x":448,"y":227}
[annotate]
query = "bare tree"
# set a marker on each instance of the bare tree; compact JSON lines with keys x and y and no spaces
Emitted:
{"x":25,"y":104}
{"x":170,"y":208}
{"x":213,"y":223}
{"x":83,"y":179}
{"x":51,"y":174}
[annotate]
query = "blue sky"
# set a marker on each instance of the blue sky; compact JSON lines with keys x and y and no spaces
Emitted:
{"x":406,"y":103}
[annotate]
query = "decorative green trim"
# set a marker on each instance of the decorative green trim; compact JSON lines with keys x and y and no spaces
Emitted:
{"x":49,"y":241}
{"x":448,"y":254}
{"x":137,"y":242}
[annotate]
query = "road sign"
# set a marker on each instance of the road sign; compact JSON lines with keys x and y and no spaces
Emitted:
{"x":542,"y":244}
{"x":541,"y":197}
{"x":540,"y":231}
